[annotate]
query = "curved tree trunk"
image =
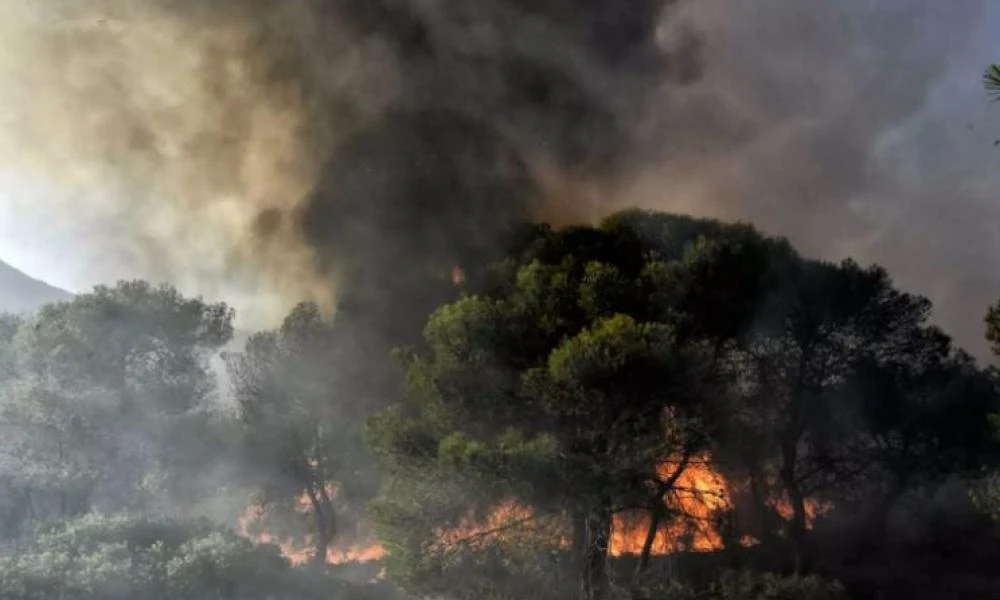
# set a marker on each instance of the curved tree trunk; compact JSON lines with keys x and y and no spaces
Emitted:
{"x":658,"y":512}
{"x":656,"y":518}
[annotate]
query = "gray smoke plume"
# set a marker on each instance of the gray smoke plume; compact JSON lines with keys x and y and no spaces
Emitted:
{"x":855,"y":128}
{"x":269,"y":148}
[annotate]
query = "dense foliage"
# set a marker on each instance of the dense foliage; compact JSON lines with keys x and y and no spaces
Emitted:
{"x":580,"y":376}
{"x":108,"y":402}
{"x":302,"y":426}
{"x":120,"y":557}
{"x":635,"y":408}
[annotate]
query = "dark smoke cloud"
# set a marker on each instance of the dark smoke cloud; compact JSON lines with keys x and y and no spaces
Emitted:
{"x":357,"y":140}
{"x":313,"y":133}
{"x":487,"y":91}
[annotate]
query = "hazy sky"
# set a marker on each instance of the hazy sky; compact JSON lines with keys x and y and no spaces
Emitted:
{"x":841,"y":158}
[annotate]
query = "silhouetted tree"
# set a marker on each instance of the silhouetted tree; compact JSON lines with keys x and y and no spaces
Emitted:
{"x":301,"y":420}
{"x":818,"y":323}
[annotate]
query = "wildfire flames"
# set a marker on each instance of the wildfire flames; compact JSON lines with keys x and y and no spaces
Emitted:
{"x":698,"y":496}
{"x":510,"y":522}
{"x":699,"y":493}
{"x":301,"y":551}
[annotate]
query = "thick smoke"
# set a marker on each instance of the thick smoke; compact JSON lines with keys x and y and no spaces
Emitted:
{"x":854,"y":127}
{"x":270,"y":148}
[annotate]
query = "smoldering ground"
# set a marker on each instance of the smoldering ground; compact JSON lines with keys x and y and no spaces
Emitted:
{"x":257,"y":146}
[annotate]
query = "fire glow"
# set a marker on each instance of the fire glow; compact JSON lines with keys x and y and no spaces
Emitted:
{"x":698,"y":496}
{"x":301,"y":551}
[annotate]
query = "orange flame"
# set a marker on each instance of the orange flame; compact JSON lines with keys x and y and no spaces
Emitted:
{"x":289,"y":547}
{"x":812,"y":507}
{"x":301,"y":551}
{"x":698,"y":496}
{"x":510,"y":522}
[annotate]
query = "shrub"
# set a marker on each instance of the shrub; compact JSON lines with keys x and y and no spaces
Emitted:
{"x":124,"y":557}
{"x":746,"y":585}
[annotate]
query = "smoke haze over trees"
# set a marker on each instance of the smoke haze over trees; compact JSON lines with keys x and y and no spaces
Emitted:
{"x":470,"y":374}
{"x":581,"y":408}
{"x":830,"y":124}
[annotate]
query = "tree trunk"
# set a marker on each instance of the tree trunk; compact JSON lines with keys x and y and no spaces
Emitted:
{"x":658,"y":511}
{"x":322,"y":545}
{"x":790,"y":436}
{"x":796,"y":501}
{"x":759,"y":498}
{"x":324,"y":523}
{"x":656,"y":518}
{"x":595,"y":584}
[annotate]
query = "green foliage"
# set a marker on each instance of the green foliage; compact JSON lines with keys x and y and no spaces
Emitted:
{"x":749,"y":585}
{"x":9,"y":326}
{"x":993,"y":327}
{"x":560,"y":385}
{"x":108,"y":399}
{"x":991,"y":81}
{"x":125,"y":557}
{"x":297,"y":415}
{"x":985,"y":492}
{"x":576,"y":367}
{"x":500,"y":571}
{"x":986,"y":495}
{"x":669,"y":589}
{"x":825,"y":389}
{"x":746,"y":585}
{"x":563,"y":383}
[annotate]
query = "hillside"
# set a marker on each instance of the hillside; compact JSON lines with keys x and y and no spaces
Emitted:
{"x":20,"y":293}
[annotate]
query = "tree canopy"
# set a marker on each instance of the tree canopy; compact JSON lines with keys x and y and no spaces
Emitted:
{"x":302,"y":421}
{"x":108,"y":400}
{"x":577,"y":408}
{"x":581,"y":375}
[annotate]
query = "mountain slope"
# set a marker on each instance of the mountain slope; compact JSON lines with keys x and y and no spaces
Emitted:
{"x":21,"y":293}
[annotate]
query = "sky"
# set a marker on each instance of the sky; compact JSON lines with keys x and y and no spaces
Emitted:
{"x":841,"y":158}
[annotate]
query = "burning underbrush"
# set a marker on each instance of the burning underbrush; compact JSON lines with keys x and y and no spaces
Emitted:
{"x":698,"y":513}
{"x":298,"y":546}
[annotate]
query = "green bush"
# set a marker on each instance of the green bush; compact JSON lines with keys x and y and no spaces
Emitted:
{"x":669,"y":590}
{"x":746,"y":585}
{"x":124,"y":557}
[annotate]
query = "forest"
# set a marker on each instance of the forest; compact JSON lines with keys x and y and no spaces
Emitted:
{"x":588,"y":300}
{"x":656,"y":407}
